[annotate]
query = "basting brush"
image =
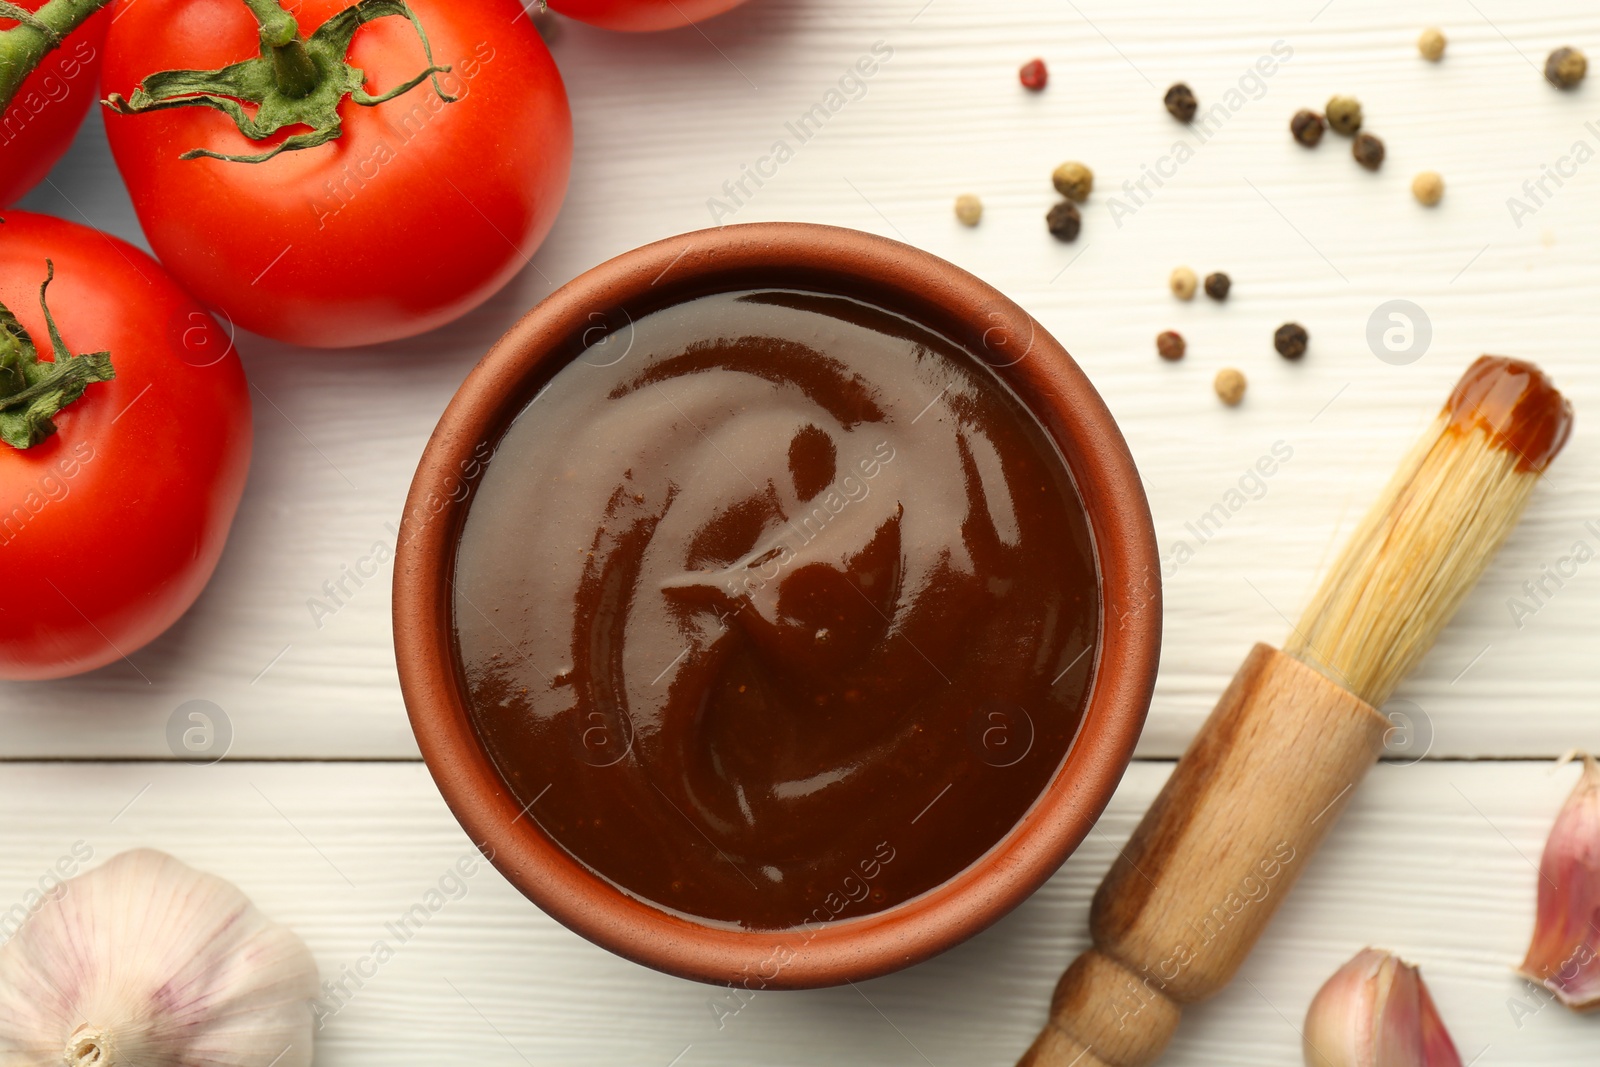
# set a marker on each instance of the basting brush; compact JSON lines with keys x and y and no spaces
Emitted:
{"x":1277,"y":760}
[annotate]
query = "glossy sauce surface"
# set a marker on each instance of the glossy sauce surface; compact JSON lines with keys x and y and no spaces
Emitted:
{"x":776,"y":608}
{"x":1517,"y":405}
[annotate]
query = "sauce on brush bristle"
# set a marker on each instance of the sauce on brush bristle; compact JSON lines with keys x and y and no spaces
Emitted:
{"x":1516,"y":405}
{"x":1427,"y":539}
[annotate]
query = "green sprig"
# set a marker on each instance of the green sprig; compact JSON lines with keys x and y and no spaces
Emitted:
{"x":33,"y":391}
{"x":293,"y":82}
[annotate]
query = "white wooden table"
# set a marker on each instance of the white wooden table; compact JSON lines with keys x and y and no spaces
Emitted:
{"x":325,"y":815}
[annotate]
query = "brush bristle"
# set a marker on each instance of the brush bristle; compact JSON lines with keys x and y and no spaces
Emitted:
{"x":1443,"y":516}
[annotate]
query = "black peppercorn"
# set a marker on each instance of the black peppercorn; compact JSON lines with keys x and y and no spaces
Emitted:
{"x":1565,"y":68}
{"x":1307,"y":127}
{"x":1217,"y":285}
{"x":1368,"y":151}
{"x":1181,"y":103}
{"x":1064,"y":221}
{"x":1291,"y":340}
{"x":1170,"y":346}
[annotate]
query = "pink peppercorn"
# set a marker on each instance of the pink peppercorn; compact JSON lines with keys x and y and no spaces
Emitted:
{"x":1034,"y":75}
{"x":1170,"y":346}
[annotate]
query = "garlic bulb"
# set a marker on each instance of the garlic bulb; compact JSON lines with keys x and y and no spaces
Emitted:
{"x":1562,"y":956}
{"x":144,"y":962}
{"x":1376,"y":1012}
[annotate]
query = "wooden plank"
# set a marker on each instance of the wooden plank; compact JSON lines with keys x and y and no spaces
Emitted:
{"x":663,"y":121}
{"x":1434,"y":861}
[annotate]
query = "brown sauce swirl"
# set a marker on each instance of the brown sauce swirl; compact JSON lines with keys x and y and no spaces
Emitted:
{"x":776,"y":608}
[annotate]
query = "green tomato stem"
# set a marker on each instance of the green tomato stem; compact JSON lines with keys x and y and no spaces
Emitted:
{"x":296,"y":81}
{"x":278,"y":27}
{"x":293,"y":69}
{"x":32,"y":390}
{"x":23,"y":47}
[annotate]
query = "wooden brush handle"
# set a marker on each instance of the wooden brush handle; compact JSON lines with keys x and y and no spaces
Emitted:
{"x":1216,"y":854}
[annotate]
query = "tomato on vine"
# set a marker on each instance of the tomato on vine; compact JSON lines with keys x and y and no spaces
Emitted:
{"x":48,"y":72}
{"x":343,"y":175}
{"x":125,"y":439}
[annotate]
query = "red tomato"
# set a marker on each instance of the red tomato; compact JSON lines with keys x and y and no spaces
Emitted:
{"x":110,"y":528}
{"x":642,"y":15}
{"x":49,"y":107}
{"x":418,"y":213}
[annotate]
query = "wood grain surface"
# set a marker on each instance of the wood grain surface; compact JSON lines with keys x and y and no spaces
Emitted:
{"x":1435,"y":861}
{"x":330,"y":824}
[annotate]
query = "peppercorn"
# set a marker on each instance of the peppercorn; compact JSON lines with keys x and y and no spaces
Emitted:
{"x":1307,"y":127}
{"x":1181,"y":103}
{"x":1034,"y":75}
{"x":1170,"y":346}
{"x":1291,"y":340}
{"x":1064,"y":221}
{"x":1431,"y":44}
{"x":1428,"y":188}
{"x":1073,"y":181}
{"x":1230,"y":386}
{"x":1217,"y":285}
{"x":969,"y":209}
{"x":1344,"y":115}
{"x":1565,"y":68}
{"x":1368,"y":151}
{"x":1183,"y":283}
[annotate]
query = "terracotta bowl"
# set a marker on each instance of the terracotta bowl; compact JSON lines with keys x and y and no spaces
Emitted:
{"x":828,"y":260}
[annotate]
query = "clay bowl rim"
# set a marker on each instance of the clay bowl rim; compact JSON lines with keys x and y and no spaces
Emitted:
{"x":830,"y":260}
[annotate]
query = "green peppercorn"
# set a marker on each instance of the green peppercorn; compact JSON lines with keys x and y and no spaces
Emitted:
{"x":1291,"y":340}
{"x":1170,"y":345}
{"x":1307,"y":127}
{"x":1344,"y":115}
{"x":1566,"y":68}
{"x":1218,"y":285}
{"x":1073,"y":181}
{"x":1064,"y":221}
{"x":1368,"y":151}
{"x":1181,"y":103}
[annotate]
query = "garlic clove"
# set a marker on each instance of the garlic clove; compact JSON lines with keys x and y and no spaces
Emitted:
{"x":1566,"y":933}
{"x":145,"y":962}
{"x":1376,"y":1012}
{"x":1437,"y":1048}
{"x":1339,"y":1021}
